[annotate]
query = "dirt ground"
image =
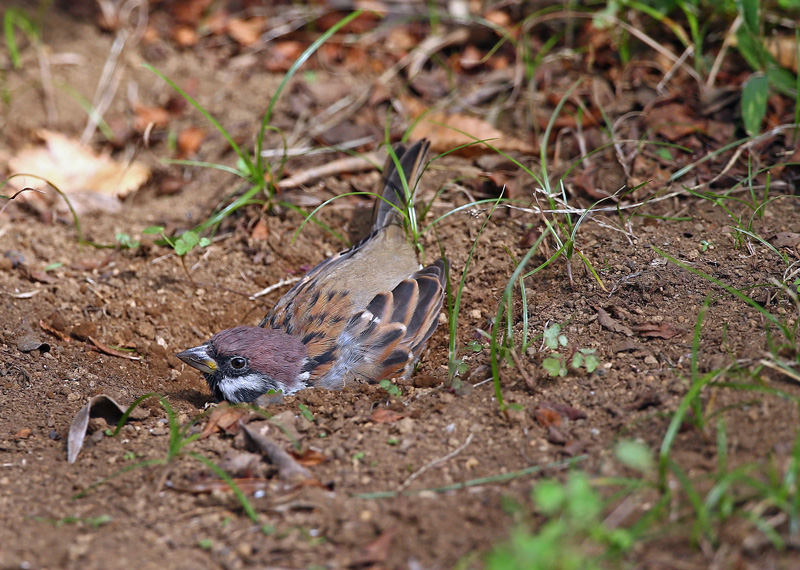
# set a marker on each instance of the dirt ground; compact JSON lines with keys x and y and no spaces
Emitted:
{"x":140,"y":299}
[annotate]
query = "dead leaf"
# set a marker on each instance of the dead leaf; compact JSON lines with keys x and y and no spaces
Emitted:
{"x":385,"y":416}
{"x":105,"y":349}
{"x":246,"y":32}
{"x":281,"y":55}
{"x":555,"y":436}
{"x":189,"y":141}
{"x":90,"y":180}
{"x":54,"y":331}
{"x":40,"y":276}
{"x":547,"y":417}
{"x":376,"y":552}
{"x":27,"y":339}
{"x":448,"y":131}
{"x":260,"y":231}
{"x":24,"y":433}
{"x":288,"y":468}
{"x":657,"y":330}
{"x":649,"y":399}
{"x":309,"y":457}
{"x":248,"y":486}
{"x":783,"y":48}
{"x":606,"y":321}
{"x":785,"y":239}
{"x":224,"y":418}
{"x":568,"y":412}
{"x":100,"y":406}
{"x":185,"y":36}
{"x":146,"y":116}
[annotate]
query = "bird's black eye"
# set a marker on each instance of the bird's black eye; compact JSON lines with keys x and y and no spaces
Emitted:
{"x":238,"y":362}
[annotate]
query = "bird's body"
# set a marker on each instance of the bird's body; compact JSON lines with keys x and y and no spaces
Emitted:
{"x":363,"y":314}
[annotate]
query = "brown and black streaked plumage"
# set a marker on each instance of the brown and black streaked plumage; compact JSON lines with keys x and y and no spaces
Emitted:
{"x":362,"y":315}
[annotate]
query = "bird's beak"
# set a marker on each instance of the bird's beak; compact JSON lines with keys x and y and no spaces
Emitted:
{"x":198,"y":358}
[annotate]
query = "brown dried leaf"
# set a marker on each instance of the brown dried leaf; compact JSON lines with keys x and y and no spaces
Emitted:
{"x":189,"y":141}
{"x":555,"y":436}
{"x":606,"y":321}
{"x":100,"y":406}
{"x":224,"y":418}
{"x":105,"y":349}
{"x":92,"y":181}
{"x":185,"y":36}
{"x":260,"y":231}
{"x":145,"y":116}
{"x":246,"y":32}
{"x":783,"y":48}
{"x":23,"y":433}
{"x":657,"y":330}
{"x":785,"y":239}
{"x":40,"y":276}
{"x":376,"y":552}
{"x":448,"y":131}
{"x":248,"y":485}
{"x":281,"y":55}
{"x":547,"y":417}
{"x":568,"y":412}
{"x":385,"y":416}
{"x":54,"y":331}
{"x":288,"y":468}
{"x":309,"y":457}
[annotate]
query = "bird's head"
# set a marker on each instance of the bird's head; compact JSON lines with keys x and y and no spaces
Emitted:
{"x":242,"y":363}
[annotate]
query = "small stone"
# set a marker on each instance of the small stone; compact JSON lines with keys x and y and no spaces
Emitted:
{"x":82,"y":331}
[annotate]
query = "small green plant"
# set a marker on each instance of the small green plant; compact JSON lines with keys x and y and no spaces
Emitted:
{"x":205,"y":543}
{"x":94,"y":522}
{"x":574,"y":536}
{"x":556,"y":363}
{"x":182,"y":245}
{"x":392,"y":389}
{"x":127,"y":242}
{"x":306,"y":413}
{"x":14,"y":18}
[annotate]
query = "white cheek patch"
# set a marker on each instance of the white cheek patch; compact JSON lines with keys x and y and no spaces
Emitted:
{"x":250,"y":383}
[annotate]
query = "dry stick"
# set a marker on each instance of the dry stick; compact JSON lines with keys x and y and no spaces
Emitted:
{"x":47,"y":85}
{"x":755,"y":140}
{"x":109,"y":79}
{"x":672,"y":70}
{"x":435,"y":463}
{"x":271,"y":288}
{"x":288,"y":468}
{"x":106,"y":87}
{"x":727,"y":42}
{"x":340,"y":166}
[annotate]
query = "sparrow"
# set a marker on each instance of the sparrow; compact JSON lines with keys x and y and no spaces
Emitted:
{"x":362,"y":315}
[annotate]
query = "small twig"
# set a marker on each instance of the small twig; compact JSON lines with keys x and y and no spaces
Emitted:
{"x":435,"y":463}
{"x":288,"y":468}
{"x":311,"y":151}
{"x":346,"y":164}
{"x":271,"y":288}
{"x":529,"y":382}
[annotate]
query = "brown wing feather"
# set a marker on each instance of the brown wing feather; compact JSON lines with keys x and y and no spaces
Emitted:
{"x":386,"y":338}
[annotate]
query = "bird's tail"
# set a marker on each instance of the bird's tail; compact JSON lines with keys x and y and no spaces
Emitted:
{"x":400,"y":175}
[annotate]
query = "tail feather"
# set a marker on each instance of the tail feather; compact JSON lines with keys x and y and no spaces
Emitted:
{"x":394,"y":195}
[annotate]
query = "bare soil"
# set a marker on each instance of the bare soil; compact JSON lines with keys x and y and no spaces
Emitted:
{"x":155,"y":517}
